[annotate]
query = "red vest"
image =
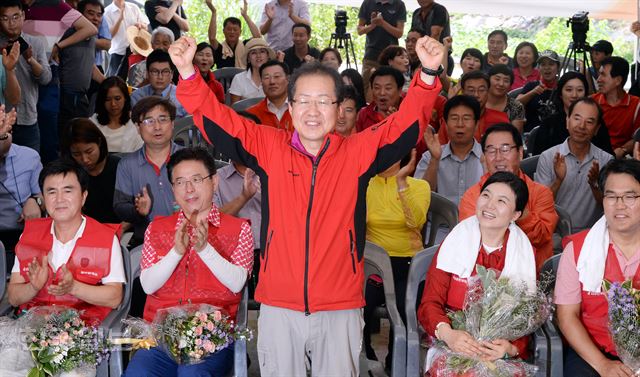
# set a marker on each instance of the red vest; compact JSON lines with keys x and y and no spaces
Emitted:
{"x":89,"y":263}
{"x":192,"y":282}
{"x":594,"y":309}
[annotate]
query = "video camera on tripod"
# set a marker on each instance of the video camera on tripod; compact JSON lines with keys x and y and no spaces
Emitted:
{"x":341,"y":19}
{"x":579,"y":27}
{"x":340,"y":39}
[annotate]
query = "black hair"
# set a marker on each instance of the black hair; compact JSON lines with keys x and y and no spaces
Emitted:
{"x":515,"y":183}
{"x":331,"y":49}
{"x":64,"y":166}
{"x":83,"y":4}
{"x":231,"y":20}
{"x":386,"y":70}
{"x":12,"y":3}
{"x":272,"y":63}
{"x":415,"y":30}
{"x":498,"y":32}
{"x":202,"y":45}
{"x":82,"y":130}
{"x":463,"y":100}
{"x":614,"y":166}
{"x":315,"y":68}
{"x":389,"y":53}
{"x":159,"y":56}
{"x":520,"y":47}
{"x":349,"y":92}
{"x":502,"y":127}
{"x":503,"y":69}
{"x":147,"y":103}
{"x":101,"y":98}
{"x":556,"y":96}
{"x":474,"y":52}
{"x":357,"y":82}
{"x":619,"y":68}
{"x":191,"y":154}
{"x":474,"y":75}
{"x":303,"y":25}
{"x":588,"y":101}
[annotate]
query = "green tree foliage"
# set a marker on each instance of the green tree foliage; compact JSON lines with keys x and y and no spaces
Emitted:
{"x":467,"y":30}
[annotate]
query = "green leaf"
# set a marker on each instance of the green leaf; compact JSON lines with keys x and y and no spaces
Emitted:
{"x":34,"y":372}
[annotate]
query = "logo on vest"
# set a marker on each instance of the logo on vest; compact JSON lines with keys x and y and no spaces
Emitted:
{"x":594,"y":293}
{"x":90,"y":273}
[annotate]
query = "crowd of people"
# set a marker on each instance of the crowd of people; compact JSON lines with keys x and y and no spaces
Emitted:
{"x":323,"y":160}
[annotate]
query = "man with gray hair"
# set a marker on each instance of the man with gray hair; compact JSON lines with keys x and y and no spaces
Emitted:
{"x":161,"y":38}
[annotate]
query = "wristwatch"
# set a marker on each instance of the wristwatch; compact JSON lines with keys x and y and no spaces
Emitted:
{"x":431,"y":72}
{"x":37,"y":198}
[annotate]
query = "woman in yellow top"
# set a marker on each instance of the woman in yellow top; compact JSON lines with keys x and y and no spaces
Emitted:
{"x":397,"y":206}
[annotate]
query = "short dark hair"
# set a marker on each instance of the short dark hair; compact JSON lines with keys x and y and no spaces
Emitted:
{"x":463,"y":100}
{"x":272,"y":63}
{"x":515,"y":183}
{"x":416,"y":30}
{"x":522,"y":45}
{"x":498,"y":32}
{"x":474,"y":52}
{"x":502,"y":127}
{"x":12,"y":4}
{"x":503,"y":69}
{"x":303,"y":25}
{"x":147,"y":103}
{"x":474,"y":75}
{"x":556,"y":95}
{"x":349,"y":92}
{"x":614,"y":166}
{"x":356,"y":80}
{"x":331,"y":49}
{"x":64,"y":166}
{"x":82,"y":130}
{"x":619,"y":67}
{"x":315,"y":68}
{"x":191,"y":154}
{"x":101,"y":98}
{"x":83,"y":4}
{"x":159,"y":56}
{"x":231,"y":20}
{"x":389,"y":53}
{"x":202,"y":45}
{"x":588,"y":101}
{"x":386,"y":70}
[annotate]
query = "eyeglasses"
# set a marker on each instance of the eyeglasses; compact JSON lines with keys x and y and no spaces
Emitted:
{"x":503,"y":149}
{"x":196,"y":180}
{"x":151,"y":122}
{"x":628,"y":199}
{"x":14,"y":18}
{"x":155,"y":72}
{"x":323,"y":103}
{"x":474,"y":91}
{"x":455,"y":119}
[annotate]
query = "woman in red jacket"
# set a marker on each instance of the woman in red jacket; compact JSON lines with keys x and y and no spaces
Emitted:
{"x":492,"y":240}
{"x":204,"y":61}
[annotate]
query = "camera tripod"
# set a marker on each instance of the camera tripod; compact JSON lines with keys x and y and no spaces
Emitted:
{"x":343,"y":41}
{"x":575,"y":51}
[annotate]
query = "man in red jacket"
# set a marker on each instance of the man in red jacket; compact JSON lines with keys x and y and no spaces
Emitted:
{"x":313,"y":206}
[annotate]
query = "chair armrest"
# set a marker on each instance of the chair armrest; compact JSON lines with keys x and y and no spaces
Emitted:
{"x":399,"y":361}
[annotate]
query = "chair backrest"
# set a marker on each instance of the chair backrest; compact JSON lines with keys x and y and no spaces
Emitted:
{"x":565,"y":225}
{"x":531,"y":140}
{"x":417,"y":273}
{"x":246,"y":103}
{"x":225,"y":77}
{"x":135,"y":255}
{"x":550,"y":266}
{"x":443,"y":213}
{"x":3,"y":269}
{"x":376,"y":261}
{"x":529,"y":165}
{"x":186,"y":133}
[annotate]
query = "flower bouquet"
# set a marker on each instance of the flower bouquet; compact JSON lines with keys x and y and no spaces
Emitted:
{"x":624,"y":321}
{"x":60,"y":341}
{"x":187,"y":333}
{"x":494,"y":308}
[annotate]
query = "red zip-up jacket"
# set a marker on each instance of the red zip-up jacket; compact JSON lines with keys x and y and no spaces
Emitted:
{"x":313,"y":212}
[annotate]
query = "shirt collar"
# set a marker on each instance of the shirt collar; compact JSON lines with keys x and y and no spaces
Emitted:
{"x":142,"y":159}
{"x":78,"y":234}
{"x":565,"y":150}
{"x":213,"y":217}
{"x":271,"y":106}
{"x":475,"y":149}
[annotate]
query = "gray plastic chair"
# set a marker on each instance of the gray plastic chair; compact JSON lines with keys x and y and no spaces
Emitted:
{"x":442,"y":213}
{"x":187,"y":134}
{"x":417,"y":273}
{"x":553,"y":352}
{"x":529,"y":165}
{"x":531,"y":140}
{"x":240,"y":349}
{"x":245,"y":103}
{"x":563,"y":228}
{"x":376,"y":261}
{"x":225,"y":77}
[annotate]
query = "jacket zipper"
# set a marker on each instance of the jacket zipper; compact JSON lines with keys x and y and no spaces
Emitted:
{"x":306,"y":232}
{"x":351,"y":247}
{"x":266,"y":251}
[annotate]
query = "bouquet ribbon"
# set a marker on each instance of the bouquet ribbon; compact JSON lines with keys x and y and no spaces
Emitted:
{"x":137,"y":343}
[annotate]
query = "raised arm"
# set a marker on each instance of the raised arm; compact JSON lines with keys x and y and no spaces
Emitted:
{"x":213,"y":25}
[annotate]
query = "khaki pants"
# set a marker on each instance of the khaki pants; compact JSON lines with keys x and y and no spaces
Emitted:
{"x":330,"y":341}
{"x":368,"y":66}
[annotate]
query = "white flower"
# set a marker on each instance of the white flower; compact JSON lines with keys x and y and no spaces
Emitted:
{"x":182,"y":343}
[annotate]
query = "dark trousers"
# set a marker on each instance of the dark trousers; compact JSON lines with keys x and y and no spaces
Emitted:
{"x":374,"y":296}
{"x":156,"y":363}
{"x":48,"y":107}
{"x":575,"y":366}
{"x":72,"y":105}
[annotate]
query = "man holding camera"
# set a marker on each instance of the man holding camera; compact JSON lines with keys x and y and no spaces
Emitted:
{"x":313,"y":236}
{"x":383,"y":23}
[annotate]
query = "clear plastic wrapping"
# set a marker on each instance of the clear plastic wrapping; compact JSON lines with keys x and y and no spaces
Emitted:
{"x":624,"y":322}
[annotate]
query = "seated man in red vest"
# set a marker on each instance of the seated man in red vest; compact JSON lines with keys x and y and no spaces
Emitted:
{"x":197,"y":255}
{"x":581,"y":303}
{"x":67,"y":259}
{"x":273,"y":110}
